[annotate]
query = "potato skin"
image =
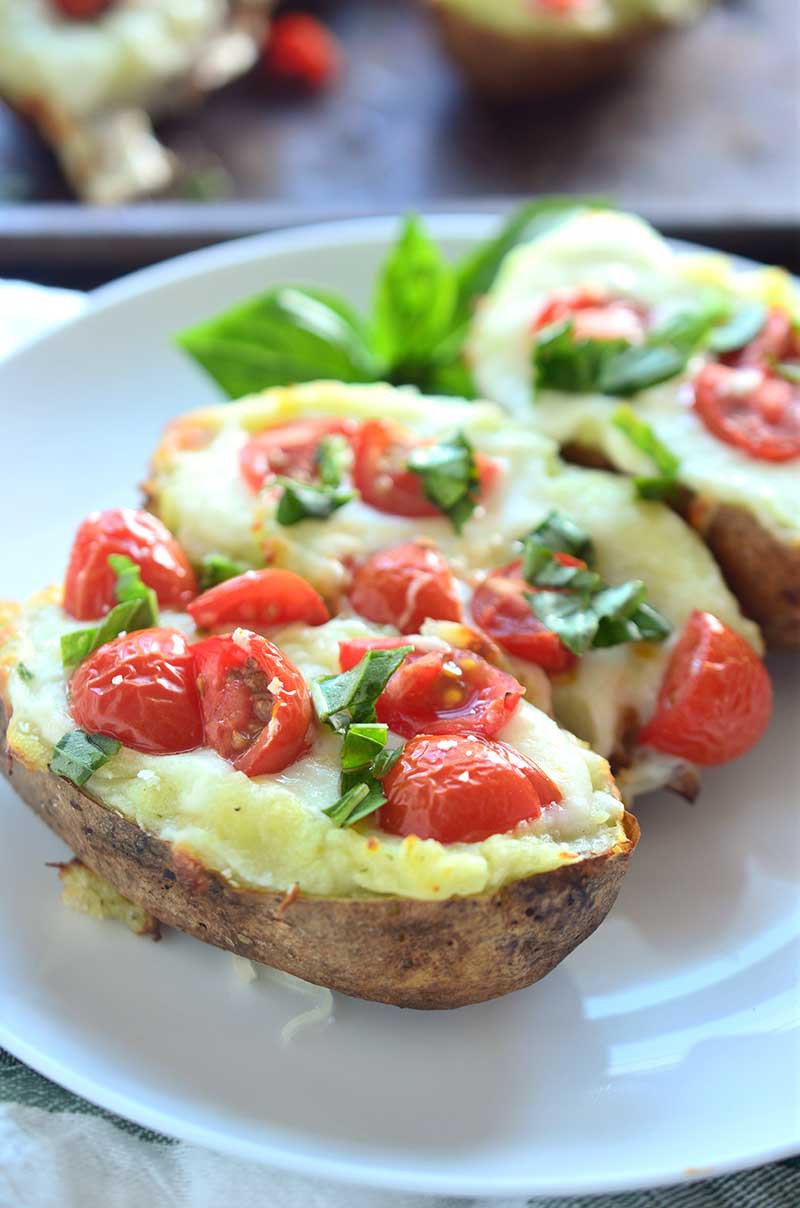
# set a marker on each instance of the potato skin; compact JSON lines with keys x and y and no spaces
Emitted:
{"x":505,"y":68}
{"x":403,"y":951}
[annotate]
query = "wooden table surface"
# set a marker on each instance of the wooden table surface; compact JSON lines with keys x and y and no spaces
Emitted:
{"x":701,"y":135}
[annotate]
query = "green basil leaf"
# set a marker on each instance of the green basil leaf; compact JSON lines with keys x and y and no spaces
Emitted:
{"x":24,"y":673}
{"x":286,"y":335}
{"x":414,"y":302}
{"x":305,"y":501}
{"x":562,"y":535}
{"x":129,"y":589}
{"x":640,"y":433}
{"x":343,"y":807}
{"x":638,"y":367}
{"x":652,"y":625}
{"x":743,"y":326}
{"x":449,"y":476}
{"x":77,"y":645}
{"x":570,"y":616}
{"x":383,"y":763}
{"x":560,"y":362}
{"x":620,"y":600}
{"x":363,"y":743}
{"x":541,"y":568}
{"x":686,"y":330}
{"x":217,"y":568}
{"x":790,"y":371}
{"x":331,"y":459}
{"x":349,"y":698}
{"x":78,"y":755}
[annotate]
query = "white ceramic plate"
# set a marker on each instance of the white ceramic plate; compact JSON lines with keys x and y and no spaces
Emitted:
{"x":665,"y":1048}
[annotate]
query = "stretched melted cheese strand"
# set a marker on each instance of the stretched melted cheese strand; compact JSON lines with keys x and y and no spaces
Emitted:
{"x":622,"y":255}
{"x":270,"y":831}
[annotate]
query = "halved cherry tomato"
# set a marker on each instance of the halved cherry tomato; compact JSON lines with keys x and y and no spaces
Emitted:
{"x":462,"y":789}
{"x":499,"y":607}
{"x":404,"y":585}
{"x":90,"y":581}
{"x":289,"y":450}
{"x":448,"y":692}
{"x":380,"y":475}
{"x":141,"y":689}
{"x":262,"y":598}
{"x":301,"y":49}
{"x":255,"y":703}
{"x":595,"y":315}
{"x":716,"y":697}
{"x":353,"y":650}
{"x":751,"y":408}
{"x":83,"y":10}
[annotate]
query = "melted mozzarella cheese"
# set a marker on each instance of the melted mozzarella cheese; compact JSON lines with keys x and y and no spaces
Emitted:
{"x":270,"y":831}
{"x":634,"y":539}
{"x":622,"y":255}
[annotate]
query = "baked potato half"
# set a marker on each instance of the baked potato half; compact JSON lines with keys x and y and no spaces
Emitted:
{"x":512,"y":51}
{"x":252,"y":863}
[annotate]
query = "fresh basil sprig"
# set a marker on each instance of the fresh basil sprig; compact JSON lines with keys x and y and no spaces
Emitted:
{"x":664,"y":484}
{"x":575,"y":602}
{"x":449,"y":475}
{"x":217,"y":568}
{"x":137,"y":609}
{"x":415,"y":335}
{"x":346,"y":703}
{"x":78,"y":755}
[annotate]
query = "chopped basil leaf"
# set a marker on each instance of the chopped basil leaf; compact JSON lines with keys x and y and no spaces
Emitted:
{"x":449,"y":477}
{"x":129,"y":588}
{"x":349,"y":698}
{"x":560,"y":362}
{"x":638,"y":367}
{"x":743,"y":326}
{"x":568,"y":616}
{"x":365,"y":760}
{"x":286,"y":335}
{"x":331,"y":459}
{"x":561,"y":534}
{"x":790,"y":370}
{"x":686,"y":330}
{"x":383,"y":763}
{"x":541,"y":568}
{"x":217,"y":568}
{"x":80,"y":643}
{"x":78,"y":755}
{"x":306,"y":501}
{"x":24,"y":673}
{"x":641,"y":434}
{"x":362,"y":743}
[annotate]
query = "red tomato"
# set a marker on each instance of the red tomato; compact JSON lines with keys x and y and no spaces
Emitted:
{"x":716,"y":697}
{"x":403,"y":586}
{"x":141,"y":689}
{"x":751,"y":408}
{"x":353,"y":651}
{"x":595,"y":315}
{"x":380,"y":475}
{"x":89,"y":585}
{"x":448,"y":692}
{"x":83,"y":10}
{"x":777,"y":341}
{"x":255,"y":703}
{"x":461,"y":789}
{"x":289,"y":450}
{"x":499,"y":607}
{"x":299,"y":48}
{"x":259,"y":597}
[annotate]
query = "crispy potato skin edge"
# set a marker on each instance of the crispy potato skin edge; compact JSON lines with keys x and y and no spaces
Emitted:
{"x":404,"y":951}
{"x":505,"y":68}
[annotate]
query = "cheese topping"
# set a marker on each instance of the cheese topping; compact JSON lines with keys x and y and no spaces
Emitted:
{"x":269,"y":831}
{"x":622,"y":255}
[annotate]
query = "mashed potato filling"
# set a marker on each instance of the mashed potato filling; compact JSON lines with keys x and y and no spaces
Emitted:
{"x":270,"y":831}
{"x":634,"y":539}
{"x":622,"y":255}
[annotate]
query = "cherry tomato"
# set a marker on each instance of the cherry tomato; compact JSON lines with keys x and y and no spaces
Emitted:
{"x":289,"y":450}
{"x":716,"y":697}
{"x":595,"y":315}
{"x":499,"y":607}
{"x":380,"y":475}
{"x":751,"y":408}
{"x":300,"y":49}
{"x":141,"y":689}
{"x":255,"y":703}
{"x":403,"y":586}
{"x":448,"y":692}
{"x":261,"y":598}
{"x":462,"y":789}
{"x":83,"y":10}
{"x":90,"y":581}
{"x":353,"y":650}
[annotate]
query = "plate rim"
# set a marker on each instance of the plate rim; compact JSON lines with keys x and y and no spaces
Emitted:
{"x":461,"y":224}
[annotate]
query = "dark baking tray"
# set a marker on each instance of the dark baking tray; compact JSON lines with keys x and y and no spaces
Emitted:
{"x":701,"y":135}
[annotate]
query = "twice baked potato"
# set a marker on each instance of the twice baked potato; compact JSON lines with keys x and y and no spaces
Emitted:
{"x":517,"y":49}
{"x":253,"y":863}
{"x":205,"y":485}
{"x":709,"y":356}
